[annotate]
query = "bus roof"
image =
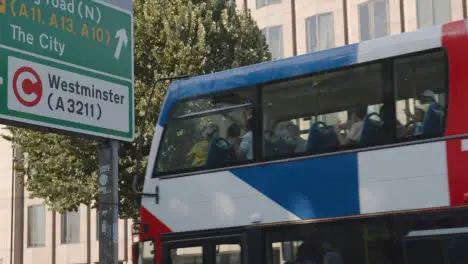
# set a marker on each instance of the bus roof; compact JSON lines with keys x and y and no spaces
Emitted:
{"x":329,"y":59}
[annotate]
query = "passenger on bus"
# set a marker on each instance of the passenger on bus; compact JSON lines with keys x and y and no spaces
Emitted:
{"x":199,"y":151}
{"x":418,"y":119}
{"x":414,"y":126}
{"x":290,"y":133}
{"x":246,"y":145}
{"x":233,"y":137}
{"x":355,"y":125}
{"x":427,"y":97}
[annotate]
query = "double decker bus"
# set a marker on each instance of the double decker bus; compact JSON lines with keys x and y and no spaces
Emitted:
{"x":356,"y":154}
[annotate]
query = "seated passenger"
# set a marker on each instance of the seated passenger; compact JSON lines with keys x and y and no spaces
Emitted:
{"x":400,"y":129}
{"x":427,"y":97}
{"x":199,"y":151}
{"x":355,"y":127}
{"x":233,"y":137}
{"x":290,"y":133}
{"x":414,"y":126}
{"x":418,"y":119}
{"x":246,"y":145}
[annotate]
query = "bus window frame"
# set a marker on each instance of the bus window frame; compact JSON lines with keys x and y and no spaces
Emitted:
{"x":293,"y":231}
{"x":207,"y":241}
{"x":341,"y":149}
{"x":388,"y":92}
{"x":446,"y":76}
{"x":253,"y":105}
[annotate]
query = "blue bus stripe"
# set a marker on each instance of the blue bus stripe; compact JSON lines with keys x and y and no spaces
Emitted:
{"x":311,"y":188}
{"x":258,"y":73}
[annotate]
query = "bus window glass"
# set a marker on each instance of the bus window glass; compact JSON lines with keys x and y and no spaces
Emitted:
{"x":188,"y":255}
{"x":446,"y":246}
{"x":377,"y":240}
{"x":228,"y":254}
{"x":217,"y":134}
{"x":421,"y":94}
{"x":323,"y":112}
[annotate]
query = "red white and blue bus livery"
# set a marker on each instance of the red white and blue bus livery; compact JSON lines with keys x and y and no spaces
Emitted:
{"x":357,"y":154}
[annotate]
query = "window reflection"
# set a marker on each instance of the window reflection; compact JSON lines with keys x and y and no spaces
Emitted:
{"x":435,"y":238}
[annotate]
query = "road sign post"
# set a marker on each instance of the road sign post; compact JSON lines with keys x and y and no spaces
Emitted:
{"x":68,"y":66}
{"x":108,"y":202}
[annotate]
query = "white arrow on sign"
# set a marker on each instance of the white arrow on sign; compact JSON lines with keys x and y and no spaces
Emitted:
{"x":121,"y":34}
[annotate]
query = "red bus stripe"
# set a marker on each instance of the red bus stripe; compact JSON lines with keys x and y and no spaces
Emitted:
{"x":455,"y":39}
{"x":155,"y":229}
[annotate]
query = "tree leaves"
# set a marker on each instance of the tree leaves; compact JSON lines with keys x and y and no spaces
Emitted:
{"x":172,"y":38}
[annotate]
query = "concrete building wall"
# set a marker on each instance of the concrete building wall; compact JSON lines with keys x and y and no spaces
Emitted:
{"x":6,"y":194}
{"x":62,"y":253}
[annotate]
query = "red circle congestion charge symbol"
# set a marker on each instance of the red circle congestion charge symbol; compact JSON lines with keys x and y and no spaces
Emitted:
{"x":27,"y":87}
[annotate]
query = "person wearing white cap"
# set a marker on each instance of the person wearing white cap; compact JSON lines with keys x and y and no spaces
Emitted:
{"x":428,"y":97}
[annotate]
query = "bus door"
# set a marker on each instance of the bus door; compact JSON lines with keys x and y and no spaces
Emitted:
{"x":437,"y":246}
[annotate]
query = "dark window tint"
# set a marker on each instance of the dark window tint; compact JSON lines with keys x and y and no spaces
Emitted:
{"x":323,"y":112}
{"x":380,"y":240}
{"x":421,"y":94}
{"x":446,"y":246}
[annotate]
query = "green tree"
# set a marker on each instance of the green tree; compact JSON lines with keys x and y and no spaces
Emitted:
{"x":176,"y":37}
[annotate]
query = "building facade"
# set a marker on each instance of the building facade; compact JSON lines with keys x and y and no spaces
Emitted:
{"x":295,"y":27}
{"x":31,"y":233}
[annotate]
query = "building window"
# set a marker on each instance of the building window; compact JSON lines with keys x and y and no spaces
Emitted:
{"x":262,"y":3}
{"x":274,"y":38}
{"x":70,"y":224}
{"x":36,"y":226}
{"x":319,"y":32}
{"x":433,"y":12}
{"x":373,"y":17}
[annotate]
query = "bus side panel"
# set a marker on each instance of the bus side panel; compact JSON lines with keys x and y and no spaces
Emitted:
{"x":456,"y":41}
{"x":403,"y":178}
{"x":215,"y":200}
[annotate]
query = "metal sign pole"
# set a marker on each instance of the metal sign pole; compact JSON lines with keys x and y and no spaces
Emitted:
{"x":108,"y":202}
